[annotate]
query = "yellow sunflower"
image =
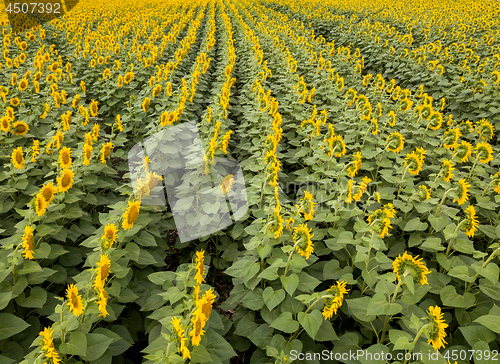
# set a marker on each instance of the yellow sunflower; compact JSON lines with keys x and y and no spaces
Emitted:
{"x":93,"y":108}
{"x":199,"y":267}
{"x":40,"y":204}
{"x":102,"y":271}
{"x":423,"y":193}
{"x":102,"y":301}
{"x":20,"y":128}
{"x":355,"y":164}
{"x":484,"y":152}
{"x":65,"y":181}
{"x":28,"y":242}
{"x":87,"y":153}
{"x":17,"y":158}
{"x":74,"y":300}
{"x":109,"y":235}
{"x":395,"y":142}
{"x":131,"y":214}
{"x":406,"y":264}
{"x":413,"y":162}
{"x":48,"y":191}
{"x":23,"y":84}
{"x":438,"y":333}
{"x":106,"y":151}
{"x":5,"y":123}
{"x":198,"y":319}
{"x":182,"y":348}
{"x":446,"y":169}
{"x":302,"y":240}
{"x":462,"y":192}
{"x":145,"y":104}
{"x":227,"y":184}
{"x":65,"y":158}
{"x":332,"y":304}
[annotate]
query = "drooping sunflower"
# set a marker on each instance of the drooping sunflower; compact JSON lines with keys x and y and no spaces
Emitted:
{"x":17,"y":158}
{"x":413,"y":162}
{"x":65,"y":158}
{"x":355,"y":164}
{"x":145,"y":104}
{"x":109,"y":235}
{"x":485,"y":129}
{"x":65,"y":181}
{"x":423,"y":193}
{"x":20,"y":128}
{"x":74,"y":300}
{"x":206,"y":302}
{"x":48,"y":345}
{"x":131,"y":214}
{"x":27,"y":242}
{"x":48,"y":191}
{"x":277,"y":225}
{"x":484,"y":152}
{"x":349,"y":198}
{"x":395,"y":142}
{"x":182,"y":348}
{"x":462,"y":191}
{"x":362,"y":188}
{"x":406,"y":264}
{"x":102,"y":301}
{"x":446,"y":169}
{"x":332,"y":304}
{"x":302,"y":240}
{"x":471,"y":222}
{"x":451,"y":137}
{"x":391,"y":116}
{"x":308,"y":204}
{"x":438,"y":333}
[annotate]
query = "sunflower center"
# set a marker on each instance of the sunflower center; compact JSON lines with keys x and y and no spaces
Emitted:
{"x":66,"y":180}
{"x":133,"y":214}
{"x":47,"y":194}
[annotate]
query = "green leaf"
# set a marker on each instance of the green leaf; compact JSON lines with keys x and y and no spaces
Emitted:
{"x":475,"y":333}
{"x":11,"y":325}
{"x":96,"y":346}
{"x":379,"y":306}
{"x":218,"y":347}
{"x":200,"y":355}
{"x":462,"y":272}
{"x":311,"y":322}
{"x":262,"y":335}
{"x":415,"y":225}
{"x":490,"y":272}
{"x":400,"y":337}
{"x":273,"y":298}
{"x":449,"y":297}
{"x":358,"y":308}
{"x":440,"y":222}
{"x":432,"y":245}
{"x":77,"y":344}
{"x":285,"y":323}
{"x":37,"y":298}
{"x":253,"y":299}
{"x":326,"y":332}
{"x":290,"y":283}
{"x":491,"y":322}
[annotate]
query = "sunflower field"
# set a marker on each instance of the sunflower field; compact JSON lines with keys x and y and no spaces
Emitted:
{"x":366,"y":133}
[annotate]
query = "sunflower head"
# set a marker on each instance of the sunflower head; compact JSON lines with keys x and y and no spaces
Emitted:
{"x":462,"y":191}
{"x":302,"y":239}
{"x":406,"y":264}
{"x":446,"y":170}
{"x":20,"y":128}
{"x":395,"y":142}
{"x":48,"y":191}
{"x":484,"y":152}
{"x":227,"y":183}
{"x":17,"y":158}
{"x":423,"y":193}
{"x":438,"y":326}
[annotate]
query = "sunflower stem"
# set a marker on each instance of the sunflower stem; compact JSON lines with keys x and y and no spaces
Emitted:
{"x":378,"y":165}
{"x":490,"y":258}
{"x":419,"y":333}
{"x":401,"y":183}
{"x":453,"y":238}
{"x":387,"y":317}
{"x":289,"y":258}
{"x":486,"y":189}
{"x":442,"y":200}
{"x":423,"y":136}
{"x":472,"y":169}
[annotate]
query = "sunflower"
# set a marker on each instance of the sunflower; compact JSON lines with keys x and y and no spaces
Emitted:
{"x":48,"y":191}
{"x":374,"y":126}
{"x":65,"y":181}
{"x":435,"y":120}
{"x":446,"y":169}
{"x":145,"y":104}
{"x":496,"y":183}
{"x":484,"y":152}
{"x":119,"y":122}
{"x":332,"y":304}
{"x":109,"y":235}
{"x":17,"y":158}
{"x":20,"y":128}
{"x":5,"y":123}
{"x":308,"y":204}
{"x":198,"y":319}
{"x":48,"y":345}
{"x":462,"y":191}
{"x":451,"y":137}
{"x":485,"y":129}
{"x":74,"y":300}
{"x":106,"y":151}
{"x":102,"y":301}
{"x":182,"y":348}
{"x":23,"y":84}
{"x":131,"y":214}
{"x":169,"y":88}
{"x":302,"y":240}
{"x":391,"y":117}
{"x":95,"y":131}
{"x":471,"y":222}
{"x":406,"y":264}
{"x":362,"y":188}
{"x":227,"y":184}
{"x":102,"y":271}
{"x":414,"y":163}
{"x":349,"y":192}
{"x":199,"y":267}
{"x":156,"y":90}
{"x":463,"y":150}
{"x":423,"y":193}
{"x":437,"y":334}
{"x":87,"y":153}
{"x":13,"y":79}
{"x":35,"y":150}
{"x":119,"y":82}
{"x":65,"y":158}
{"x":355,"y":164}
{"x":395,"y":142}
{"x":40,"y":204}
{"x":93,"y":108}
{"x":28,"y":242}
{"x":277,"y":222}
{"x":336,"y":144}
{"x":380,"y":220}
